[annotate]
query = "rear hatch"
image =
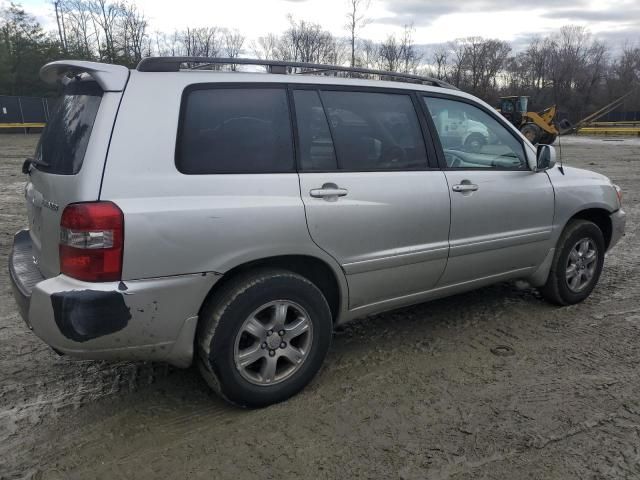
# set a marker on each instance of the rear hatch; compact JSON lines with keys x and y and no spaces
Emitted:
{"x":69,"y":160}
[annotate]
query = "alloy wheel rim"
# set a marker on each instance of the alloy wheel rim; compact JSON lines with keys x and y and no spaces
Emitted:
{"x":581,"y":265}
{"x":273,"y":343}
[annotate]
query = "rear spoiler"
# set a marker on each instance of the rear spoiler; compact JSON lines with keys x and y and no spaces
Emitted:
{"x":111,"y":78}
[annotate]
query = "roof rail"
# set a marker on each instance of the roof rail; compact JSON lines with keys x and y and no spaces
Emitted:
{"x":173,"y":64}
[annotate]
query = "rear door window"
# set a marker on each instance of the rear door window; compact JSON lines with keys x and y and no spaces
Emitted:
{"x":64,"y":140}
{"x":314,"y":138}
{"x":235,"y":130}
{"x":374,"y":131}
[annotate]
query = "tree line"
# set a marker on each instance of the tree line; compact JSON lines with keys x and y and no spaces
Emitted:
{"x":570,"y":67}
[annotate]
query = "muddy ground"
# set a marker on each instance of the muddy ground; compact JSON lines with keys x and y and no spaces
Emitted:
{"x":415,"y":393}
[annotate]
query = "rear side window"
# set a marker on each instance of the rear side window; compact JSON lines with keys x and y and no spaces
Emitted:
{"x":374,"y":131}
{"x":315,"y":144}
{"x":235,"y":130}
{"x":64,"y":140}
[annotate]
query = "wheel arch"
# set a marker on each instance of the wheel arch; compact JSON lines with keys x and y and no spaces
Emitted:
{"x":601,"y":217}
{"x":332,"y":284}
{"x":598,"y":215}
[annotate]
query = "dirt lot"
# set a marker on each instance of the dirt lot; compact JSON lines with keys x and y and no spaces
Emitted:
{"x":415,"y":393}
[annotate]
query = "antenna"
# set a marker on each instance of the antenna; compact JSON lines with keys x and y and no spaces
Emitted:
{"x":560,"y":167}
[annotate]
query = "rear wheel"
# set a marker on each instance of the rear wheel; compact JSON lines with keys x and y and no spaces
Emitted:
{"x":548,"y":138}
{"x":577,"y":264}
{"x":263,"y":337}
{"x":532,"y":132}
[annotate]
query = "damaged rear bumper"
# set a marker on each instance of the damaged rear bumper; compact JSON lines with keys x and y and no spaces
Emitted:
{"x":150,"y":319}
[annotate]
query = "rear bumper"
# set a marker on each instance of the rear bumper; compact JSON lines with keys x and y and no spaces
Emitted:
{"x":151,"y":319}
{"x":23,"y":272}
{"x":618,"y":223}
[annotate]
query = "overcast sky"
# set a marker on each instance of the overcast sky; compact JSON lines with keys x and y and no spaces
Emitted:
{"x":435,"y":21}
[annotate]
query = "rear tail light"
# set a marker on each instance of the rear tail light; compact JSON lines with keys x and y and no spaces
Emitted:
{"x":91,"y":241}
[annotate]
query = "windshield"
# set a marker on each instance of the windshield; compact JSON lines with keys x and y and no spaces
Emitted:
{"x":524,"y":103}
{"x":64,"y":140}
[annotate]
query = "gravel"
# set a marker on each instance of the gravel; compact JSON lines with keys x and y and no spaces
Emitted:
{"x":491,"y":384}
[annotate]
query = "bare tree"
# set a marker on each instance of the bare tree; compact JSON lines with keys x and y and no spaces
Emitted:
{"x":626,"y":68}
{"x":307,"y":42}
{"x":266,"y":47}
{"x":458,"y":61}
{"x":79,"y":28}
{"x":233,"y":42}
{"x":399,"y":54}
{"x":389,"y":54}
{"x":133,"y":33}
{"x":201,"y":42}
{"x":60,"y":22}
{"x":165,"y":44}
{"x":356,"y":20}
{"x":410,"y":58}
{"x":369,"y":53}
{"x":568,"y":67}
{"x":104,"y":17}
{"x":440,"y":59}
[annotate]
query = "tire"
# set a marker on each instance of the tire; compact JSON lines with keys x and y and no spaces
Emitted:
{"x":475,"y":142}
{"x":532,"y":132}
{"x":558,"y":289}
{"x":224,"y":335}
{"x":548,"y":138}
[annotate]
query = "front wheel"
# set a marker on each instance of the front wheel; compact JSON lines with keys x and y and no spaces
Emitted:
{"x":532,"y":132}
{"x":263,"y":337}
{"x":577,"y":264}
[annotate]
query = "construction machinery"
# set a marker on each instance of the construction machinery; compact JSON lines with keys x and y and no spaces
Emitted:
{"x":538,"y":127}
{"x":542,"y":127}
{"x":590,"y":124}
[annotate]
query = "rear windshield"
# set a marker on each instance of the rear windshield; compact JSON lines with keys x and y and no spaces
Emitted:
{"x":64,"y":140}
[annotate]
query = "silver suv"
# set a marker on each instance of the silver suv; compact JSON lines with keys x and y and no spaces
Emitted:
{"x":181,"y":213}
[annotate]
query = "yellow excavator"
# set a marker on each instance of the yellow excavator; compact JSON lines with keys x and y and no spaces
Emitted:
{"x":537,"y":127}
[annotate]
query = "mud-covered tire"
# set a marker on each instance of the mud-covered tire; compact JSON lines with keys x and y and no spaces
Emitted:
{"x":222,"y":318}
{"x":532,"y":132}
{"x":547,"y":138}
{"x":556,"y":290}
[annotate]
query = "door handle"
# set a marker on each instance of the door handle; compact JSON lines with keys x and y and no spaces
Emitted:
{"x":465,"y":187}
{"x":329,"y":192}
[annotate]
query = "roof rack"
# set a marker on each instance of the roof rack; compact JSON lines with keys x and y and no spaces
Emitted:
{"x":173,"y":64}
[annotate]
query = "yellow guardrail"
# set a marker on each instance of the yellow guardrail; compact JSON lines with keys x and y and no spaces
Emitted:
{"x":626,"y":123}
{"x":22,"y":125}
{"x":609,"y":131}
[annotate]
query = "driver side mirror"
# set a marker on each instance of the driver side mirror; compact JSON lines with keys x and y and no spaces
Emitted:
{"x":545,"y":158}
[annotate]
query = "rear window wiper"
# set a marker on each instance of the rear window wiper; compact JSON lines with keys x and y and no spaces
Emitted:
{"x":29,"y":162}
